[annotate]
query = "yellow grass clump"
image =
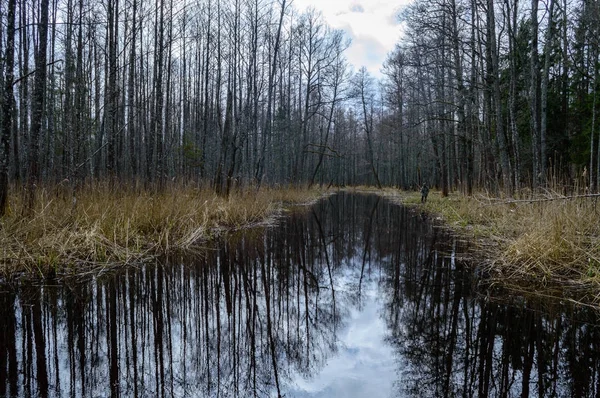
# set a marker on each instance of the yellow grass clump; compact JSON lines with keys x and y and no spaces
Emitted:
{"x":71,"y":232}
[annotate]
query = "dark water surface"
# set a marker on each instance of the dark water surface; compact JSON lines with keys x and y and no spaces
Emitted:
{"x":356,"y":297}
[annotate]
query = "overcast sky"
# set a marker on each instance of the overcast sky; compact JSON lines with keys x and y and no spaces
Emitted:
{"x":371,"y":24}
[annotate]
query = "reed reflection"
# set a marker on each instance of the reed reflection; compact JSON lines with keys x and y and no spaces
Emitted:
{"x":276,"y":312}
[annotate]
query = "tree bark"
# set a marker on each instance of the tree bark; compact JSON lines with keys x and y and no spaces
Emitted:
{"x":495,"y":83}
{"x":533,"y":95}
{"x":7,"y":105}
{"x":549,"y":37}
{"x":39,"y":95}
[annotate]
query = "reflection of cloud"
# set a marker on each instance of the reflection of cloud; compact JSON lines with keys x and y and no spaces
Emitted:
{"x":365,"y":365}
{"x":372,"y":25}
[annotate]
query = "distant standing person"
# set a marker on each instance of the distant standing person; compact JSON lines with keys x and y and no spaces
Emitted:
{"x":424,"y":193}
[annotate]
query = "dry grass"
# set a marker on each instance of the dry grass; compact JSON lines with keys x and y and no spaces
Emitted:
{"x":104,"y":227}
{"x":549,"y":243}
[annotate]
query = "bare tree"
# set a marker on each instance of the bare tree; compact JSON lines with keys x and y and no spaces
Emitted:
{"x":39,"y":95}
{"x":363,"y":84}
{"x":7,"y":105}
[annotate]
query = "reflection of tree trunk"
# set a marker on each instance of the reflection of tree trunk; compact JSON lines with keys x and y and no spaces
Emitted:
{"x":112,"y":340}
{"x":467,"y":356}
{"x":487,"y":332}
{"x":54,"y":337}
{"x":8,"y":346}
{"x":205,"y":276}
{"x":217,"y":304}
{"x":541,"y":365}
{"x":556,"y":360}
{"x":427,"y":268}
{"x":528,"y":357}
{"x":40,"y":349}
{"x":169,"y":337}
{"x":458,"y":294}
{"x":507,"y":350}
{"x":324,"y":248}
{"x":266,"y":279}
{"x":367,"y":249}
{"x":234,"y":325}
{"x":252,"y":328}
{"x":156,"y":282}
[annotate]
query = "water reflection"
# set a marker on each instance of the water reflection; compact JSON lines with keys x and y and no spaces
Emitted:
{"x":356,"y":297}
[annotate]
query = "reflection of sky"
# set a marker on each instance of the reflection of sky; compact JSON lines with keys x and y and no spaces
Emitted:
{"x":364,"y":365}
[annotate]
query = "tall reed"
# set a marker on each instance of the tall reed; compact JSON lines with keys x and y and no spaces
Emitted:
{"x":71,"y":230}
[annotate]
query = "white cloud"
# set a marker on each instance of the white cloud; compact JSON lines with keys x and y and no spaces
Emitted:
{"x":371,"y":24}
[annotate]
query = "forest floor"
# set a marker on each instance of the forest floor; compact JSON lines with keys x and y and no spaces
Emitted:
{"x":100,"y":228}
{"x":548,"y":245}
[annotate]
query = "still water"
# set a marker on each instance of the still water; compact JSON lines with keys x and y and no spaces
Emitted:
{"x":355,"y":297}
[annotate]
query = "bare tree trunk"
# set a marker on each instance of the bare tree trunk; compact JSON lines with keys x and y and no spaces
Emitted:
{"x":363,"y":82}
{"x":112,"y":94}
{"x":442,"y":101}
{"x":268,"y":122}
{"x":80,"y":107}
{"x":206,"y":114}
{"x":594,"y":121}
{"x":24,"y":107}
{"x":461,"y":91}
{"x":39,"y":95}
{"x":69,"y":83}
{"x":494,"y":76}
{"x":236,"y":107}
{"x":7,"y":105}
{"x":512,"y":100}
{"x":338,"y":77}
{"x":593,"y":130}
{"x":545,"y":80}
{"x":132,"y":130}
{"x":533,"y":93}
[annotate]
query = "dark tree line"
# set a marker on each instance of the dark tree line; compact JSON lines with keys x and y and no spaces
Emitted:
{"x":221,"y":92}
{"x":497,"y":94}
{"x":238,"y":92}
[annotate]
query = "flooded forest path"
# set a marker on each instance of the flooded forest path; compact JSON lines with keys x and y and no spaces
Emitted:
{"x":353,"y":297}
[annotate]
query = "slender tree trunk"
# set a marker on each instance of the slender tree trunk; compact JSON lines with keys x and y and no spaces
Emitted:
{"x":69,"y":83}
{"x":512,"y":95}
{"x":7,"y":105}
{"x":368,"y":123}
{"x":132,"y":130}
{"x":593,"y":130}
{"x":442,"y":130}
{"x":205,"y":118}
{"x":461,"y":90}
{"x":594,"y":122}
{"x":545,"y":80}
{"x":268,"y":119}
{"x":39,"y":95}
{"x":497,"y":98}
{"x":80,"y":107}
{"x":533,"y":95}
{"x":50,"y":171}
{"x":111,"y":120}
{"x":338,"y":76}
